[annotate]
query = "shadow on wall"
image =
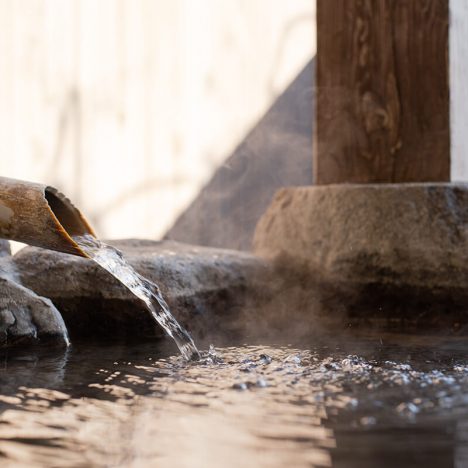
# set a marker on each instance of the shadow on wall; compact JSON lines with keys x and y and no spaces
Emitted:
{"x":276,"y":153}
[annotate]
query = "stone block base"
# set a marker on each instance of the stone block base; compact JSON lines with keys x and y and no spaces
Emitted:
{"x":386,"y":252}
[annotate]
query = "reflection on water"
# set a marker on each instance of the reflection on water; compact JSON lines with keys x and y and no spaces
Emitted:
{"x":362,"y":403}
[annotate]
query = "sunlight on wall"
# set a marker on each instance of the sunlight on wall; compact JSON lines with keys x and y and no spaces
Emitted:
{"x":128,"y":106}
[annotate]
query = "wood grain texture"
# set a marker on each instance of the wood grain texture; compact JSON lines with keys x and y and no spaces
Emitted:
{"x":382,"y":107}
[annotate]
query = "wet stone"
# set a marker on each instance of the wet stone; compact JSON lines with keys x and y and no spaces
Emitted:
{"x":26,"y":317}
{"x":205,"y":288}
{"x":390,"y":254}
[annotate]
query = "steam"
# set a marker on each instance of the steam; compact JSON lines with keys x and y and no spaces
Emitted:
{"x":276,"y":153}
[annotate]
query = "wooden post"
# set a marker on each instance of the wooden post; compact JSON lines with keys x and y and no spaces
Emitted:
{"x":382,"y":107}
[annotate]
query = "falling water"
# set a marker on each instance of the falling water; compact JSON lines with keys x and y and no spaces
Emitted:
{"x":112,"y":261}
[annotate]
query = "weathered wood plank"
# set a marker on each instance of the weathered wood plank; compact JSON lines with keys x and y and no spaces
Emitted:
{"x":382,"y":91}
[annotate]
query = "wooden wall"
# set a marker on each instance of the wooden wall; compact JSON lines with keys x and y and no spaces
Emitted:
{"x":458,"y":40}
{"x":129,"y":106}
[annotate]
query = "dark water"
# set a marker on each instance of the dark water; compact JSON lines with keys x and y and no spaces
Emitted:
{"x":357,"y":402}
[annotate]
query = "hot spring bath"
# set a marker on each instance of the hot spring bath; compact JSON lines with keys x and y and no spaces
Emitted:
{"x":382,"y":400}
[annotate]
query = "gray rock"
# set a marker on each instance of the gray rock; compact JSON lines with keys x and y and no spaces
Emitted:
{"x":385,"y":252}
{"x":24,"y":316}
{"x":204,"y":287}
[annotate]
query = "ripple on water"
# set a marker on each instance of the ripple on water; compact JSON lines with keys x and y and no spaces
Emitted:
{"x":237,"y":406}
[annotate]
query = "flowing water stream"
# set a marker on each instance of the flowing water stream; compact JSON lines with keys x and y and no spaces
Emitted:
{"x":112,"y":261}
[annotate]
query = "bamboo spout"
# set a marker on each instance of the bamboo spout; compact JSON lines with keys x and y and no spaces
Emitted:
{"x":40,"y":215}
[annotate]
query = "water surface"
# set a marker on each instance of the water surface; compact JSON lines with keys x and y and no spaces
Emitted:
{"x":374,"y":401}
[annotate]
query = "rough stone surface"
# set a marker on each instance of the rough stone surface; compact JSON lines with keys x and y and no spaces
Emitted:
{"x":393,"y":251}
{"x":276,"y":153}
{"x":204,"y":287}
{"x":25,"y":316}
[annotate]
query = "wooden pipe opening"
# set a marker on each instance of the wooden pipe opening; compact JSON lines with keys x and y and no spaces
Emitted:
{"x":67,"y":215}
{"x":40,"y":215}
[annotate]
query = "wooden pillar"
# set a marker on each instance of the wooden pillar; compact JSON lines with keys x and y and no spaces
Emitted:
{"x":382,"y":106}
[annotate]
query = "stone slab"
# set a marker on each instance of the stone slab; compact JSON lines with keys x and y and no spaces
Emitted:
{"x":204,"y":287}
{"x":396,"y":251}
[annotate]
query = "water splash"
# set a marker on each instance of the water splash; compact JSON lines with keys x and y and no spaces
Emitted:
{"x":112,"y":261}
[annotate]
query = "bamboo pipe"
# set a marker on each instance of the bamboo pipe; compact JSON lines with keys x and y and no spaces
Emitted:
{"x":40,"y":215}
